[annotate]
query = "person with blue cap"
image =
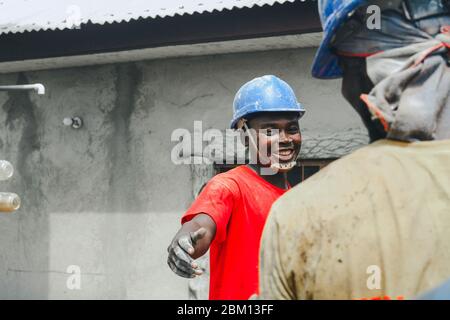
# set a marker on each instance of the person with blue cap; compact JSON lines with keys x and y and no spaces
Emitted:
{"x":229,"y":214}
{"x":374,"y":224}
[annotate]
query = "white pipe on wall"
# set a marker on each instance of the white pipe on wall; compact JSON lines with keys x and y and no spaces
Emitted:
{"x":38,"y":87}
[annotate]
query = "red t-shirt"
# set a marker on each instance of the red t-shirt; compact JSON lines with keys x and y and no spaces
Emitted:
{"x":239,"y":202}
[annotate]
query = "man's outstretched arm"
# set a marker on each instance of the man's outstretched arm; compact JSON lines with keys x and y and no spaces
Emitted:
{"x":191,"y":242}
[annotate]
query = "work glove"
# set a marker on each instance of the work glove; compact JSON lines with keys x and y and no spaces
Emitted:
{"x":181,"y":251}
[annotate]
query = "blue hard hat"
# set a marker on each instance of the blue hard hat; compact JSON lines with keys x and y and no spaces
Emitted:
{"x":264,"y":94}
{"x":333,"y":13}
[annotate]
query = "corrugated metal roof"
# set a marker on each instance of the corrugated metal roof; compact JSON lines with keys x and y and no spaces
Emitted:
{"x":33,"y":15}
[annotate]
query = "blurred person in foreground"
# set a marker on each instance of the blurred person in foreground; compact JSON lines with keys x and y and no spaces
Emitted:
{"x":374,"y":224}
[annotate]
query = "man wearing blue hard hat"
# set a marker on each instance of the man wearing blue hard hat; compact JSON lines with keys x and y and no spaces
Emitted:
{"x":229,"y":214}
{"x":374,"y":224}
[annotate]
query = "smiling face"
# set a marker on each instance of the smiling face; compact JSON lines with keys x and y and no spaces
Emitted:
{"x":279,"y":134}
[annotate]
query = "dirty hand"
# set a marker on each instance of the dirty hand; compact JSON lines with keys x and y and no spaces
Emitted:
{"x":180,"y":253}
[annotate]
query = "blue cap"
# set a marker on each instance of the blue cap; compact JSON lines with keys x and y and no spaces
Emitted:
{"x":333,"y":13}
{"x":264,"y":94}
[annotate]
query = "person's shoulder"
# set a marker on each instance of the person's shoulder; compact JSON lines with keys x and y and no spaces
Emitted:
{"x":233,"y":175}
{"x":228,"y":180}
{"x":322,"y":193}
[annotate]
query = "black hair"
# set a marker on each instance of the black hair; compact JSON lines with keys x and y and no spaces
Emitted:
{"x":356,"y":81}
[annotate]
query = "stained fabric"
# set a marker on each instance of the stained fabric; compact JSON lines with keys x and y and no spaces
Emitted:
{"x":336,"y":13}
{"x":374,"y":223}
{"x":409,"y":68}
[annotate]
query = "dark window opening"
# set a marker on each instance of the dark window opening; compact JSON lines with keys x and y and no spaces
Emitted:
{"x":302,"y":171}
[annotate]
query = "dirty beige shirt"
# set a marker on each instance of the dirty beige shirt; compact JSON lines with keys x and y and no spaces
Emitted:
{"x":378,"y":218}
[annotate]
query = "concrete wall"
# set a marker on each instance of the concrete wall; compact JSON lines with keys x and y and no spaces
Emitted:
{"x":107,"y":197}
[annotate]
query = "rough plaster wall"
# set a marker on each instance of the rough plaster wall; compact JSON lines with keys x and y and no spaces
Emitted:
{"x":199,"y":286}
{"x":107,"y":197}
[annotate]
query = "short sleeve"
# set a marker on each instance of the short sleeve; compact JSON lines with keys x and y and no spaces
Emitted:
{"x":217,"y":200}
{"x":286,"y":249}
{"x":273,"y":278}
